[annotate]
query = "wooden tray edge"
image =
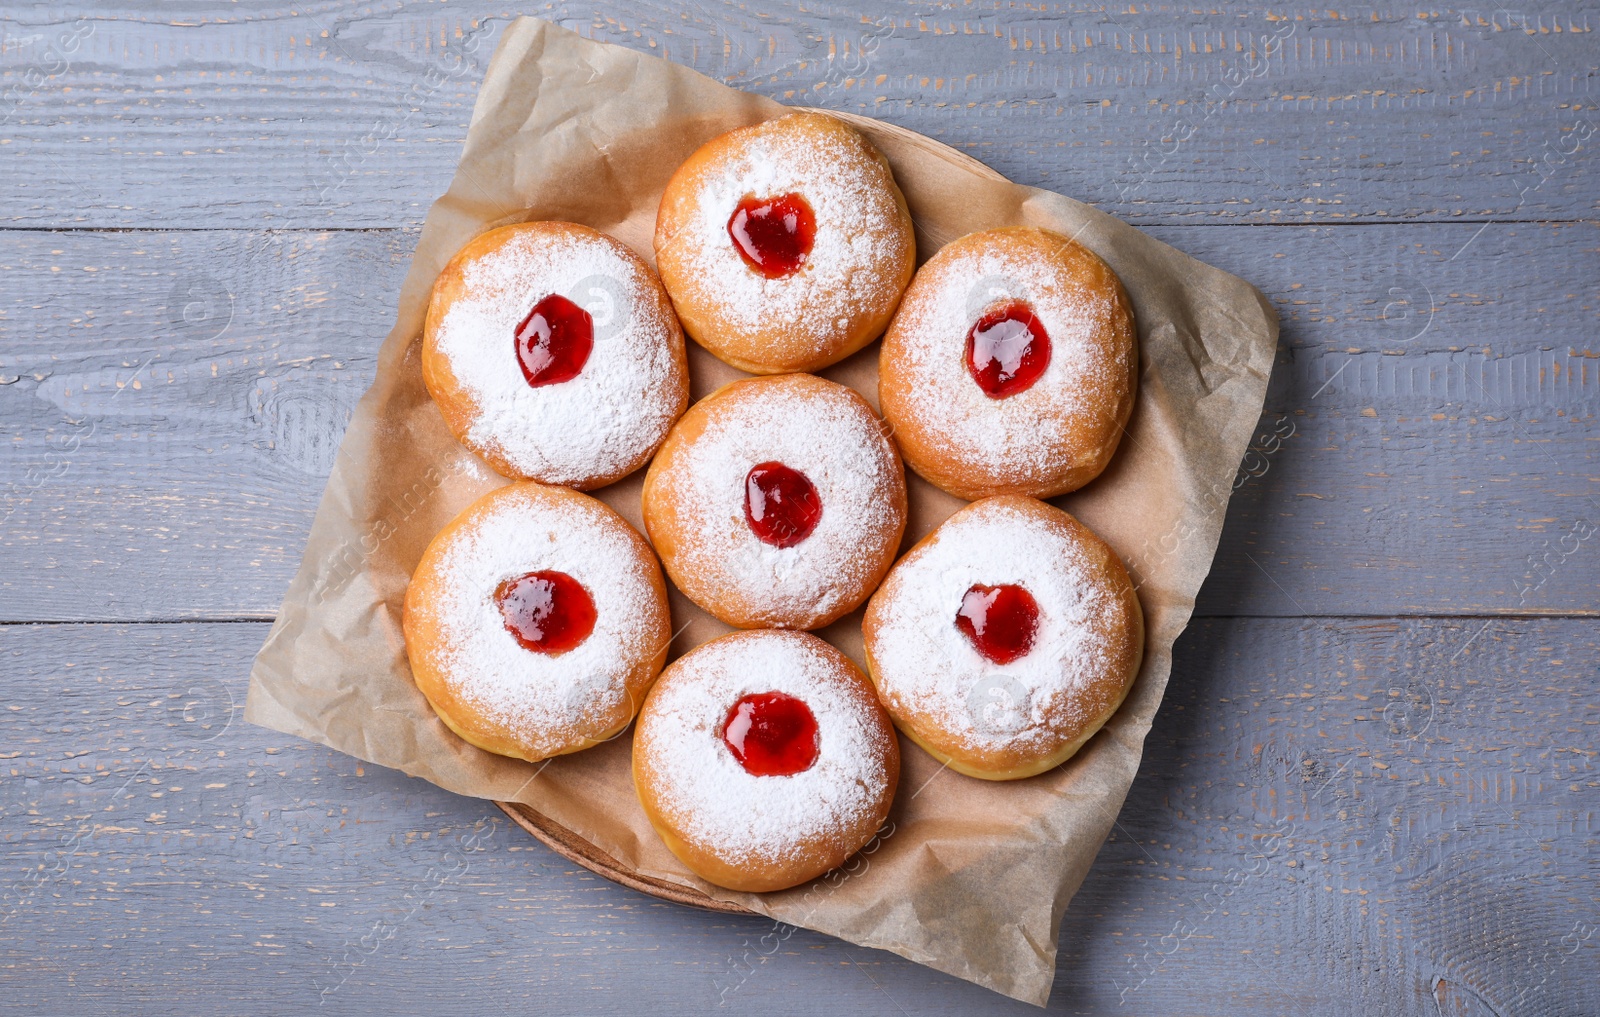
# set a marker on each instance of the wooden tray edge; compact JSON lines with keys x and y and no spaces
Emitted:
{"x":575,"y":849}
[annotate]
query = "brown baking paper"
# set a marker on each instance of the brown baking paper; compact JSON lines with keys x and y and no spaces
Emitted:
{"x":973,"y":877}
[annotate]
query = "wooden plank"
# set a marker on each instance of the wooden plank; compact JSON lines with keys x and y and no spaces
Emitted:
{"x":1386,"y":769}
{"x":344,"y":115}
{"x":1334,"y":816}
{"x":1431,"y":461}
{"x":243,"y":401}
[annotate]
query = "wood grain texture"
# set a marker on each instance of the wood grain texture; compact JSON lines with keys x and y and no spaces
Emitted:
{"x":1333,"y":816}
{"x":165,"y":467}
{"x":351,"y":114}
{"x":206,"y":209}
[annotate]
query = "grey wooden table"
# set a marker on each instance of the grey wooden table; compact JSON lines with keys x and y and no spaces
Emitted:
{"x":1372,"y":788}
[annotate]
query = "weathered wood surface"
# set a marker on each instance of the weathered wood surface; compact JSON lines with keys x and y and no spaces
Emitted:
{"x":1346,"y":814}
{"x":205,"y":212}
{"x":210,"y":114}
{"x":158,"y":458}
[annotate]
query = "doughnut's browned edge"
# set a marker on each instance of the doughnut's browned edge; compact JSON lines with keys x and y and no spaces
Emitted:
{"x":575,"y":849}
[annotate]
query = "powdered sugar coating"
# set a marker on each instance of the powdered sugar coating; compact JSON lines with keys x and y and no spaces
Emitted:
{"x":827,"y":433}
{"x":925,"y":666}
{"x":854,"y":271}
{"x":1024,"y":442}
{"x":608,"y":419}
{"x":548,"y":703}
{"x":704,"y":794}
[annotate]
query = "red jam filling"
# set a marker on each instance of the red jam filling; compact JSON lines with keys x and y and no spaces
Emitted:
{"x":554,"y":341}
{"x":774,"y":235}
{"x":1000,"y":621}
{"x":781,"y":505}
{"x":771,"y":734}
{"x":1007,"y":350}
{"x":549,"y":612}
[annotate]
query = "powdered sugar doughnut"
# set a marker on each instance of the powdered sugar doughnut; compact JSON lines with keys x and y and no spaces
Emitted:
{"x":785,"y":245}
{"x":536,"y":621}
{"x":553,"y":353}
{"x":1011,"y":365}
{"x":763,"y":759}
{"x":777,"y":502}
{"x":1005,"y":638}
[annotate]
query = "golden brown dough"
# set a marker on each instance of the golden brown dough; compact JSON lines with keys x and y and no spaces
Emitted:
{"x":697,"y":499}
{"x":1001,"y":719}
{"x":860,"y":261}
{"x":584,"y":432}
{"x":764,"y":831}
{"x":1047,"y":438}
{"x":487,"y":686}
